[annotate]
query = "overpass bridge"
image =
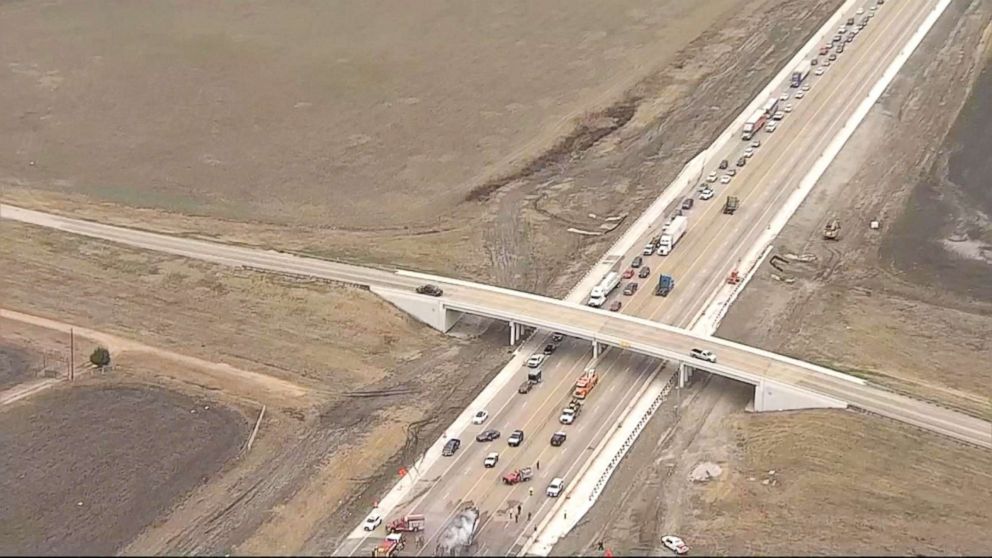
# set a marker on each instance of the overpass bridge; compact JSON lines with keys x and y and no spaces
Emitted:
{"x":780,"y":382}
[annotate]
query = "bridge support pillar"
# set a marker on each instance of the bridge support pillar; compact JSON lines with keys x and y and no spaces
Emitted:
{"x":685,"y":374}
{"x":595,"y":349}
{"x":513,"y":333}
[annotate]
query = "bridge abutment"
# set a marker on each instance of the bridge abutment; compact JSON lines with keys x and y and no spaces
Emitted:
{"x":773,"y":396}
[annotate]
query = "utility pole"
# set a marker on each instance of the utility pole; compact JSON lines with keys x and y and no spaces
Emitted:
{"x":72,"y":355}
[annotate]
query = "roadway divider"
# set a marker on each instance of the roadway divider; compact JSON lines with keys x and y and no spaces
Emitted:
{"x":718,"y":306}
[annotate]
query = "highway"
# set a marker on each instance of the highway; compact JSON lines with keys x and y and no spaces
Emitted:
{"x":700,"y":264}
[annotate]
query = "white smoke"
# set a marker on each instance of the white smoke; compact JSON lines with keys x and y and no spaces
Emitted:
{"x":458,"y":535}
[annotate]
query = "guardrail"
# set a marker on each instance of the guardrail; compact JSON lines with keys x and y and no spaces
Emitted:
{"x":604,"y":477}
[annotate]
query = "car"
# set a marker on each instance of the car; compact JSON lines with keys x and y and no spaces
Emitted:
{"x":687,"y":203}
{"x":724,"y":164}
{"x":749,"y":152}
{"x":674,"y":544}
{"x":557,"y":338}
{"x":879,"y":2}
{"x":805,"y":87}
{"x":535,"y":360}
{"x":778,"y":115}
{"x":516,"y":438}
{"x":525,"y":387}
{"x":615,"y":307}
{"x":488,"y":435}
{"x":770,"y":127}
{"x":491,"y":460}
{"x":814,"y":61}
{"x":725,"y":179}
{"x":833,"y":57}
{"x":837,"y":38}
{"x":703,"y":354}
{"x":451,"y":446}
{"x":741,"y":161}
{"x":480,"y":417}
{"x":644,"y":272}
{"x":872,"y":9}
{"x":630,"y":289}
{"x":550,"y":348}
{"x":850,"y":21}
{"x":784,"y":97}
{"x":860,"y":11}
{"x":840,"y":49}
{"x":755,"y":144}
{"x":824,"y":50}
{"x":800,"y":94}
{"x":820,"y":70}
{"x":826,"y":62}
{"x":842,"y":29}
{"x":711,"y":177}
{"x":855,"y":31}
{"x":627,"y":274}
{"x":558,"y":438}
{"x":372,"y":521}
{"x":850,"y":38}
{"x":556,"y":487}
{"x":706,"y":194}
{"x":732,"y":172}
{"x":430,"y":290}
{"x":788,"y":107}
{"x":636,"y":262}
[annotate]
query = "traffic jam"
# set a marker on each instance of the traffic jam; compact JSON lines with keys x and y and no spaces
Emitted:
{"x":766,"y":119}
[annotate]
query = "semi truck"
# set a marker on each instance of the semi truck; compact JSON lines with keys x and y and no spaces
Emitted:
{"x":753,"y":124}
{"x":799,"y":73}
{"x":672,"y":233}
{"x":771,"y":106}
{"x":665,"y":285}
{"x":599,"y":293}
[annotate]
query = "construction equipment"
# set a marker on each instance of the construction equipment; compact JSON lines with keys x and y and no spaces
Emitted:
{"x":584,"y":385}
{"x":391,"y":546}
{"x":734,"y":278}
{"x":410,"y":523}
{"x":831,"y":230}
{"x":523,"y":474}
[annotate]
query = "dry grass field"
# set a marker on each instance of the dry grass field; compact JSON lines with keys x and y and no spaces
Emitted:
{"x":462,"y":138}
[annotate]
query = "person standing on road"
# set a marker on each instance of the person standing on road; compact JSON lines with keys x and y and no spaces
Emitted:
{"x":538,"y":465}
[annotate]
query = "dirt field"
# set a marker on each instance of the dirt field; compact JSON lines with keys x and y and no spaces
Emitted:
{"x":471,"y":161}
{"x":910,"y":306}
{"x":343,"y":392}
{"x":87,"y":467}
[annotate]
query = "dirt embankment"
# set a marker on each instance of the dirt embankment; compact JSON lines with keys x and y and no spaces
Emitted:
{"x":202,"y":329}
{"x":908,"y":306}
{"x":605,"y":152}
